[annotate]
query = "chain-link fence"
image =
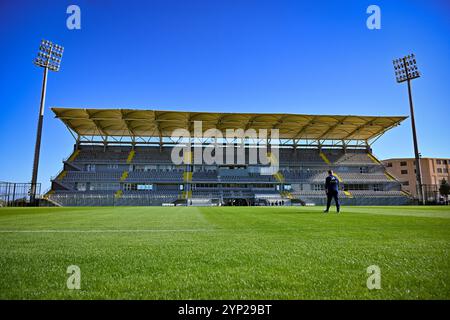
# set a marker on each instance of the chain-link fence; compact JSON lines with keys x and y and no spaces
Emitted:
{"x":13,"y":194}
{"x":432,"y":194}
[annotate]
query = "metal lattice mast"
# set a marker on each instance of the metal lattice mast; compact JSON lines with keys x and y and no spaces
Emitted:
{"x":406,"y":70}
{"x":49,"y":58}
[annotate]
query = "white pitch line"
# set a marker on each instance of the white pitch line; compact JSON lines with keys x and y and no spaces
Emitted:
{"x":107,"y":231}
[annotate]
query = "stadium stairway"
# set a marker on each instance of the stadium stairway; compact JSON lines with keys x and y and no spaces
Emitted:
{"x":118,"y":194}
{"x":186,"y":195}
{"x":47,"y":201}
{"x":73,"y":156}
{"x":278,"y":176}
{"x":187,"y":176}
{"x":338,"y":177}
{"x":124,"y":175}
{"x":61,"y":175}
{"x":389,"y":176}
{"x":348,"y":194}
{"x":71,"y":166}
{"x":406,"y":193}
{"x":62,"y":185}
{"x":131,"y":156}
{"x":286,"y":195}
{"x":373,"y":158}
{"x":59,"y":181}
{"x":324,"y":158}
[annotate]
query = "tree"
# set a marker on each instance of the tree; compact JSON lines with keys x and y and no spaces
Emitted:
{"x":444,"y":189}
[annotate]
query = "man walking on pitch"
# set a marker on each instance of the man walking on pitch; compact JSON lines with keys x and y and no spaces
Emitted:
{"x":332,"y":191}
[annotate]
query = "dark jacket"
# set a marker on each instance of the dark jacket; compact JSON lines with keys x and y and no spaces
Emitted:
{"x":332,"y":184}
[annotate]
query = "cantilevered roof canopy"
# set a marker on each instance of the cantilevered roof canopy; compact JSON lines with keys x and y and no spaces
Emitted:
{"x":157,"y":123}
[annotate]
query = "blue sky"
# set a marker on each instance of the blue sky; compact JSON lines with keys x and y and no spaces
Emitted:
{"x":230,"y":56}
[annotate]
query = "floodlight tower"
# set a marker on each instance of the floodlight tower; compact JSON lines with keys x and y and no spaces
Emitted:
{"x":406,"y":70}
{"x":49,"y":57}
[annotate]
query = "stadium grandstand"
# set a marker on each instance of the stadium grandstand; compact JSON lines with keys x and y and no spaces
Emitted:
{"x":124,"y":157}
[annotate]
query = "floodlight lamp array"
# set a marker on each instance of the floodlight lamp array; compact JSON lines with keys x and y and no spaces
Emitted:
{"x":406,"y":68}
{"x":49,"y":55}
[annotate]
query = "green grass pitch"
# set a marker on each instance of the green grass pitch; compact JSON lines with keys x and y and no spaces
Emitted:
{"x":225,"y":252}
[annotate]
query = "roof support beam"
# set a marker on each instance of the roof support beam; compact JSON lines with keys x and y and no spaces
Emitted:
{"x":377,"y":135}
{"x":250,"y":123}
{"x":331,"y":128}
{"x":73,"y":133}
{"x":279,"y":123}
{"x":127,"y":123}
{"x":303,"y":129}
{"x":100,"y":130}
{"x":359,"y":128}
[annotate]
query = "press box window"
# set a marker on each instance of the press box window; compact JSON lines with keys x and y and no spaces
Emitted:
{"x":144,"y":187}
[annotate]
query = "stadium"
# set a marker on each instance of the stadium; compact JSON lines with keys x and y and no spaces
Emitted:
{"x":123,"y":157}
{"x":137,"y":214}
{"x":184,"y":151}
